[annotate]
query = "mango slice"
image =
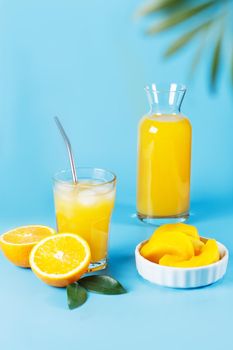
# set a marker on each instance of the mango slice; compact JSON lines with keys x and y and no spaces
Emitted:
{"x":173,"y":243}
{"x":170,"y":260}
{"x":197,"y":245}
{"x":189,"y":230}
{"x":209,"y":255}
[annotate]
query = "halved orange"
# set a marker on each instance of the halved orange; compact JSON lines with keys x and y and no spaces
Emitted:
{"x":17,"y":244}
{"x":60,"y":259}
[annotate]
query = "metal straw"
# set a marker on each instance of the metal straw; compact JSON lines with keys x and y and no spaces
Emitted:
{"x":69,"y":149}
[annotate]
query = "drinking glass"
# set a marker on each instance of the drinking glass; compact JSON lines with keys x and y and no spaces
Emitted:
{"x":85,"y":208}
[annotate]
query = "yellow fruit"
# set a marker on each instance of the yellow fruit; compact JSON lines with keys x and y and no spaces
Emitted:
{"x":189,"y":230}
{"x":174,"y":243}
{"x":178,"y":227}
{"x":61,"y":259}
{"x":17,"y":244}
{"x":209,"y":254}
{"x":170,"y":260}
{"x":197,"y":245}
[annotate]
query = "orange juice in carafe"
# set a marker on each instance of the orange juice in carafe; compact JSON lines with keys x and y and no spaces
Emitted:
{"x":164,"y":158}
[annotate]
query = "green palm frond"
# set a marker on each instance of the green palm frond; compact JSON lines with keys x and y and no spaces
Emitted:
{"x":216,"y":61}
{"x":159,"y":5}
{"x":198,"y":54}
{"x":207,"y":19}
{"x":186,"y":38}
{"x":179,"y":16}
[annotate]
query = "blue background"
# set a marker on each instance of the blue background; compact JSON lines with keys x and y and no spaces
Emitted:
{"x":87,"y":62}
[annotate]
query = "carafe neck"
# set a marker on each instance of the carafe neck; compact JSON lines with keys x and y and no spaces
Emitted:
{"x":165,"y":100}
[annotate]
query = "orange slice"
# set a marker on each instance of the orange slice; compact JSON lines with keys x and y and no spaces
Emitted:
{"x":60,"y":259}
{"x":17,"y":244}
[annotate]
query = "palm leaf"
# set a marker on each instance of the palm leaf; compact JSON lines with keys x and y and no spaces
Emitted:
{"x":216,"y":60}
{"x":186,"y":12}
{"x":157,"y":6}
{"x":180,"y":16}
{"x":197,"y":56}
{"x":186,"y":38}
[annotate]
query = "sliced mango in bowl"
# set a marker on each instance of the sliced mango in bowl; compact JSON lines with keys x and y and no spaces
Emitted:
{"x":208,"y":255}
{"x":189,"y":230}
{"x":174,"y":243}
{"x":179,"y":245}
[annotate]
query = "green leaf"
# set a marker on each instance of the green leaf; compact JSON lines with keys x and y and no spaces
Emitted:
{"x":180,"y":16}
{"x":216,"y":61}
{"x":184,"y":39}
{"x":102,"y":284}
{"x":157,"y":6}
{"x":76,"y":295}
{"x":197,"y":55}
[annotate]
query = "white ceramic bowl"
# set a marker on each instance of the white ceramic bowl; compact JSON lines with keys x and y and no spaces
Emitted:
{"x":179,"y":277}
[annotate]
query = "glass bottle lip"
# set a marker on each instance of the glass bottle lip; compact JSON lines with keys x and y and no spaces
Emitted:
{"x":64,"y":177}
{"x":165,"y":88}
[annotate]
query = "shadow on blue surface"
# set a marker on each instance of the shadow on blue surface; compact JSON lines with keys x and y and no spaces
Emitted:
{"x":202,"y":209}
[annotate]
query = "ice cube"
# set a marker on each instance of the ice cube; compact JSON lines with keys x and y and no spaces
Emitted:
{"x":66,"y":193}
{"x":105,"y":192}
{"x":102,"y":189}
{"x":87,"y":197}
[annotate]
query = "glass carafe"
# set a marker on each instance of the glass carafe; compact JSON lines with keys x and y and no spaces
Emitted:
{"x":164,"y":157}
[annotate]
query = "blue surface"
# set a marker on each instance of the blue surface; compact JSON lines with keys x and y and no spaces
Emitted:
{"x":87,"y":62}
{"x":35,"y":316}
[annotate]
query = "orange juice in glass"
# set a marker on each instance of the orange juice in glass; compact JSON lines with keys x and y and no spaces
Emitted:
{"x":85,"y":208}
{"x":164,"y":158}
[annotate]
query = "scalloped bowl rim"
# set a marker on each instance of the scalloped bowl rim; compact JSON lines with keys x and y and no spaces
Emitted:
{"x":182,"y":277}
